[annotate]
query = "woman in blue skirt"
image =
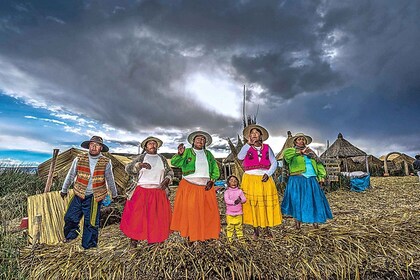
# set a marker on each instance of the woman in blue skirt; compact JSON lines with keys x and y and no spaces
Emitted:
{"x":304,"y":199}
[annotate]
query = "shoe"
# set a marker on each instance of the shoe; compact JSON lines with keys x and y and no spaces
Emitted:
{"x":268,"y":234}
{"x":256,"y":234}
{"x":133,"y":243}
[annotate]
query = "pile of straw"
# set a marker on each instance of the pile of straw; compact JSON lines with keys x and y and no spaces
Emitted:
{"x":373,"y":235}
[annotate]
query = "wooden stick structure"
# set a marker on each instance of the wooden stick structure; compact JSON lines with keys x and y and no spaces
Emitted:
{"x":51,"y":172}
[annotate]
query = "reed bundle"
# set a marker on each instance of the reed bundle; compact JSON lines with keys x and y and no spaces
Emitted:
{"x":52,"y":208}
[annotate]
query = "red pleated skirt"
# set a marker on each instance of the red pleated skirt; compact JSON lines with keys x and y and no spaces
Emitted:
{"x":147,"y":216}
{"x":196,"y":213}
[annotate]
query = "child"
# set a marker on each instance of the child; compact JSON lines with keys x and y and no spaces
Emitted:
{"x":234,"y":197}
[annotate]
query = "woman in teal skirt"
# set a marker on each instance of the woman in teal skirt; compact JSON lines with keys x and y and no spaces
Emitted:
{"x":304,"y":199}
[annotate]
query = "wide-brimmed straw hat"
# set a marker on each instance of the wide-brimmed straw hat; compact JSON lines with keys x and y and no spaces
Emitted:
{"x":247,"y":131}
{"x":308,"y":138}
{"x":151,"y":138}
{"x":96,"y":139}
{"x":202,"y":133}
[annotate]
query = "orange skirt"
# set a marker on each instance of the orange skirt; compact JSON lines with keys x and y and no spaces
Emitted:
{"x":196,"y":214}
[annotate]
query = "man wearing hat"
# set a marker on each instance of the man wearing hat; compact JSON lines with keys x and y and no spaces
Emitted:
{"x":196,"y":213}
{"x":91,"y":173}
{"x":262,"y":208}
{"x":147,"y":212}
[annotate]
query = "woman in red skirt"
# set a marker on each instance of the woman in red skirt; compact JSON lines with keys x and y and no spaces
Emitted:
{"x":147,"y":212}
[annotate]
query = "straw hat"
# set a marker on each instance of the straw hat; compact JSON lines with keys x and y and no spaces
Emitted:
{"x":247,"y":130}
{"x":202,"y":133}
{"x":308,"y":138}
{"x":151,"y":138}
{"x":96,"y":139}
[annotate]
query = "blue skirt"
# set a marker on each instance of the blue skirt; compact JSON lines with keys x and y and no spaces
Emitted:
{"x":305,"y":201}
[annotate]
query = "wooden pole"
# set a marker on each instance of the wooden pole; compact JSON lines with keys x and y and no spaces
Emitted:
{"x":51,"y":172}
{"x":244,"y":109}
{"x":37,"y":229}
{"x":367,"y":164}
{"x":406,"y":168}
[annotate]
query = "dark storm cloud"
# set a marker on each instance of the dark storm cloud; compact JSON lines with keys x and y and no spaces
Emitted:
{"x":320,"y":66}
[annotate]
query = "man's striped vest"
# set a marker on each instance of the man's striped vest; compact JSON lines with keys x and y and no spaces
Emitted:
{"x":98,"y":180}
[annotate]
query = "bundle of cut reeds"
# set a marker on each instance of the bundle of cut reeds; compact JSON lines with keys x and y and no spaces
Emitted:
{"x":52,"y":208}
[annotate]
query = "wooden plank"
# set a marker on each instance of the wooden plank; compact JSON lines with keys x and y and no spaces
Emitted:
{"x":333,"y":178}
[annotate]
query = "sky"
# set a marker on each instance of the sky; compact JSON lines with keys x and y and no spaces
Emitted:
{"x":126,"y":70}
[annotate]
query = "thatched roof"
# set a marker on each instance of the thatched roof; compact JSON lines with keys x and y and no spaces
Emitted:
{"x":342,"y":148}
{"x":238,"y":170}
{"x":398,"y":157}
{"x":287,"y":144}
{"x":234,"y":153}
{"x":371,"y":160}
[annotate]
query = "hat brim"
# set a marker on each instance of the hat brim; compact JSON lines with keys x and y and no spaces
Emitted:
{"x":85,"y":145}
{"x":157,"y":140}
{"x":308,"y":138}
{"x":247,"y":131}
{"x":203,"y":133}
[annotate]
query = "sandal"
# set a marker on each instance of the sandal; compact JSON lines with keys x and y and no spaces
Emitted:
{"x":133,"y":243}
{"x":256,"y":234}
{"x":268,"y":234}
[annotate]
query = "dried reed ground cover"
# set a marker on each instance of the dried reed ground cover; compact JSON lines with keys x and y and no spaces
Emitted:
{"x":374,"y":235}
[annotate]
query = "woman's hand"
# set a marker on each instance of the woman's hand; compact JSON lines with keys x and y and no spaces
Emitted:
{"x":308,"y":151}
{"x":165,"y":183}
{"x":140,"y":165}
{"x":181,"y":149}
{"x":264,"y":178}
{"x":209,"y":185}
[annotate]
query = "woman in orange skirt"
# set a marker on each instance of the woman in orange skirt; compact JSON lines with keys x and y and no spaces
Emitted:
{"x":147,"y":212}
{"x":196,"y":213}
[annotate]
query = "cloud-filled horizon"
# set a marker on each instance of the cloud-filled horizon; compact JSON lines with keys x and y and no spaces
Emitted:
{"x":71,"y":69}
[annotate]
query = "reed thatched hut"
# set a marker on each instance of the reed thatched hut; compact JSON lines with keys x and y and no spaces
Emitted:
{"x":375,"y":165}
{"x":343,"y":151}
{"x":287,"y":144}
{"x":231,"y":164}
{"x":397,"y":164}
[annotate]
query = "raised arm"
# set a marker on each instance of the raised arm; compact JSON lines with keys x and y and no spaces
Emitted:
{"x":243,"y":151}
